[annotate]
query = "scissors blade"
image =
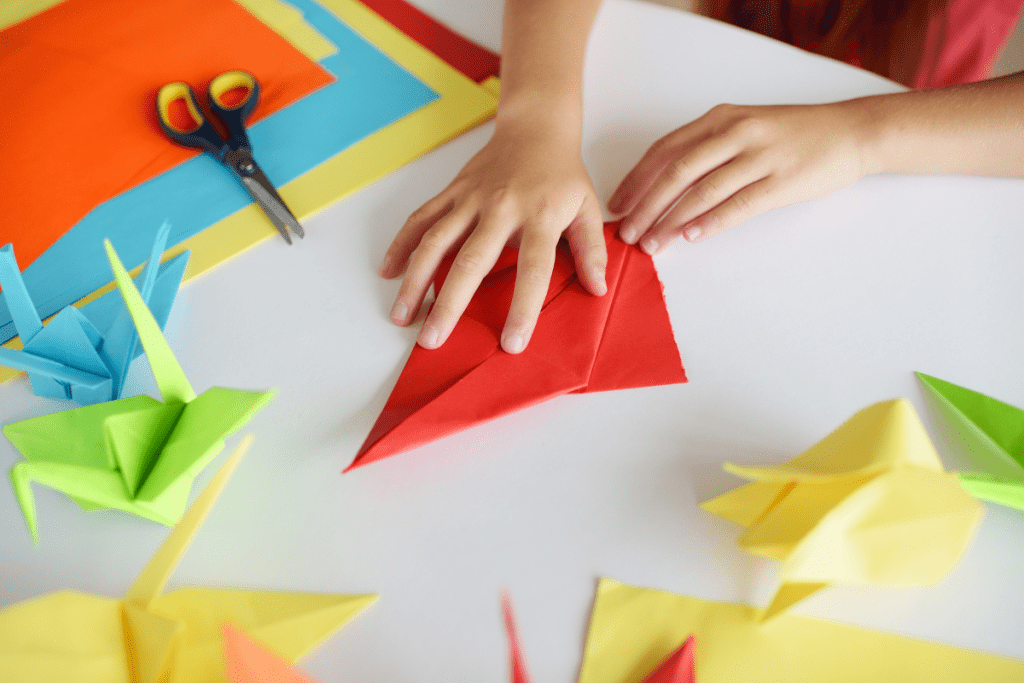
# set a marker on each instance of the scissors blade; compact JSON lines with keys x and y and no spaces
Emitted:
{"x":262,"y":190}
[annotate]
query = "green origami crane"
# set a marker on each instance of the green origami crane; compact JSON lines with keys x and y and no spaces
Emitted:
{"x":993,"y":432}
{"x":134,"y":454}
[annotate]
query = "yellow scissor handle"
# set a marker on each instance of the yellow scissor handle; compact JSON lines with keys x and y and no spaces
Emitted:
{"x":171,"y":93}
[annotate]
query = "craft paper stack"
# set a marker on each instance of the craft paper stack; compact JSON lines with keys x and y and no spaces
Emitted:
{"x":374,"y":100}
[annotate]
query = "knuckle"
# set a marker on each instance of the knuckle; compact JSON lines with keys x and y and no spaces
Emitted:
{"x":706,"y":192}
{"x":468,"y":260}
{"x":533,"y":273}
{"x":743,"y":204}
{"x":678,"y":170}
{"x":749,"y":128}
{"x":431,"y":241}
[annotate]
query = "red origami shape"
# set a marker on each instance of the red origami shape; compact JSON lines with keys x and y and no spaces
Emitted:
{"x":582,"y":343}
{"x":678,"y":667}
{"x":518,"y":672}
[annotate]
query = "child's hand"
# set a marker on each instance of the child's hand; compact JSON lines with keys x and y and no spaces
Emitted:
{"x":527,"y":185}
{"x":734,"y":163}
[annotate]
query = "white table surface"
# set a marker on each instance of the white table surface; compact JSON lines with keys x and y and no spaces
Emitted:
{"x":787,"y":326}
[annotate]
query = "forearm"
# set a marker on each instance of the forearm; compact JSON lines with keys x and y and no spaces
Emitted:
{"x":543,"y":48}
{"x":975,"y":129}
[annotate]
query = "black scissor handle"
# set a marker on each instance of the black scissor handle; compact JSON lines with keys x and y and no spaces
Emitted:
{"x":200,"y":135}
{"x":234,"y":96}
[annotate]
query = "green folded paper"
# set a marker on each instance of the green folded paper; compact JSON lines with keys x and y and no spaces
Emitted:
{"x":992,"y":431}
{"x":135,"y":454}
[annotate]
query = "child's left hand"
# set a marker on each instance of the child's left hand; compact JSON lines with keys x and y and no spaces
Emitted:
{"x":736,"y":162}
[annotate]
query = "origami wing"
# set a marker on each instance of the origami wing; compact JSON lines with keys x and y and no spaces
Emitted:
{"x":994,"y":430}
{"x":74,"y":356}
{"x":869,"y":504}
{"x":581,"y":343}
{"x":134,"y":454}
{"x":197,"y":434}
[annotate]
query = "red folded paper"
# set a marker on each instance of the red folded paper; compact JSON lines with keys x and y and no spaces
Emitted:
{"x":474,"y":61}
{"x":678,"y":667}
{"x":582,"y":343}
{"x":78,"y":83}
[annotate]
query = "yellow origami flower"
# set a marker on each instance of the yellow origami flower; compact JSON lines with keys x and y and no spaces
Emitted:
{"x":870,"y":504}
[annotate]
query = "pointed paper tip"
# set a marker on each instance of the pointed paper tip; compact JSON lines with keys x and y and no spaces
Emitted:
{"x":22,"y":485}
{"x":678,"y":667}
{"x":151,"y":580}
{"x":517,"y":661}
{"x":788,"y":595}
{"x":167,"y":372}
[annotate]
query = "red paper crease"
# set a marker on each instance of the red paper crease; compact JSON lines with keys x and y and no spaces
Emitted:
{"x":582,"y":343}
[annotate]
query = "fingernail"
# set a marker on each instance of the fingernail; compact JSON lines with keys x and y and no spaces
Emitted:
{"x":693,"y":232}
{"x":628,"y":235}
{"x":597,"y":275}
{"x":428,"y":337}
{"x":513,"y":343}
{"x":385,"y":265}
{"x":399,"y":312}
{"x":649,"y":245}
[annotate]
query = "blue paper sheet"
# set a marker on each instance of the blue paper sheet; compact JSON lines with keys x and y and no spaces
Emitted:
{"x":370,"y":93}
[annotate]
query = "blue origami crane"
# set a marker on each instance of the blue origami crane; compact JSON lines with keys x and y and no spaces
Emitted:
{"x":84,"y":354}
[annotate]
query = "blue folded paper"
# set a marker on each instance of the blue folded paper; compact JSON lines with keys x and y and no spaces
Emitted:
{"x":84,"y":354}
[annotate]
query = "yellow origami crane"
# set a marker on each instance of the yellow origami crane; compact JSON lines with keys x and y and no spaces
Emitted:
{"x":867,"y":505}
{"x":148,"y":637}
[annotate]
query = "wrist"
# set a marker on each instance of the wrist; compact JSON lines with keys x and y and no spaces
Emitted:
{"x":866,"y":120}
{"x":540,"y":114}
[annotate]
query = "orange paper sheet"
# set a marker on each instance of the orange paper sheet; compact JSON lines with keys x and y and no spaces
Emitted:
{"x":54,"y":168}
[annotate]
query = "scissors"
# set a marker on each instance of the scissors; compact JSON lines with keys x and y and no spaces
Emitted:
{"x":236,"y":152}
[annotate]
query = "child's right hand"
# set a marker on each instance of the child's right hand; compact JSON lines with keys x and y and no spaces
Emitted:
{"x":527,"y":186}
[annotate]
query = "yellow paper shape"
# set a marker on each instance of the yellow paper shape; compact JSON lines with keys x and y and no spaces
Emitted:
{"x":289,"y":23}
{"x":152,"y":637}
{"x":867,"y":505}
{"x":633,"y":629}
{"x":13,"y":11}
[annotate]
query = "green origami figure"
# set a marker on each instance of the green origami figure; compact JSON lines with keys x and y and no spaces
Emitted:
{"x":134,"y":454}
{"x":993,"y":432}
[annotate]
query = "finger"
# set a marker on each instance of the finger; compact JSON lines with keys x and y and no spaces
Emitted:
{"x":747,"y":203}
{"x":533,"y":277}
{"x":431,"y":249}
{"x":474,"y":260}
{"x":654,"y":160}
{"x":405,"y":242}
{"x":707,"y":193}
{"x":674,"y":180}
{"x":589,"y":251}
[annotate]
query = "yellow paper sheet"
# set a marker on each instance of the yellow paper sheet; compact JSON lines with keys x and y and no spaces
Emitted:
{"x":289,"y":23}
{"x":633,"y":629}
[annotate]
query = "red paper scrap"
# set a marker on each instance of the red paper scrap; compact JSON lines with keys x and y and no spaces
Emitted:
{"x":678,"y":667}
{"x":582,"y":343}
{"x":473,"y":60}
